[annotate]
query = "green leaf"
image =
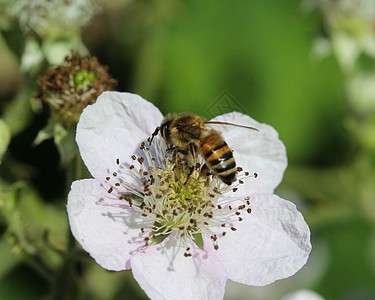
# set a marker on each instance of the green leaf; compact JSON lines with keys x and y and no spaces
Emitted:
{"x":18,"y":113}
{"x":36,"y":229}
{"x":8,"y":259}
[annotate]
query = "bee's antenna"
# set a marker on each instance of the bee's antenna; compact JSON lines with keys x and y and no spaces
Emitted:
{"x":155,"y":133}
{"x":226,"y":123}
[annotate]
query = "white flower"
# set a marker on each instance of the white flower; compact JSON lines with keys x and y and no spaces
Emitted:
{"x":51,"y":16}
{"x":183,"y":235}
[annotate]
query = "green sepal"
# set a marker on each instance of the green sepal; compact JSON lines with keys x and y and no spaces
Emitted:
{"x":198,"y":240}
{"x":155,"y":237}
{"x":45,"y":134}
{"x":65,"y":141}
{"x":4,"y":138}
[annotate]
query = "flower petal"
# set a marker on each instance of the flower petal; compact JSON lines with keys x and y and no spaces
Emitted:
{"x":112,"y":128}
{"x":303,"y":295}
{"x":106,"y":227}
{"x":270,"y":243}
{"x":259,"y":152}
{"x":164,"y":272}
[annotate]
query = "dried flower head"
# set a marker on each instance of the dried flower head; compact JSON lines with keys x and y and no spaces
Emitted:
{"x":70,"y":87}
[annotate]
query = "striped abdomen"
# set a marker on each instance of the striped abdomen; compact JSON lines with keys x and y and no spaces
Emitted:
{"x":219,"y":157}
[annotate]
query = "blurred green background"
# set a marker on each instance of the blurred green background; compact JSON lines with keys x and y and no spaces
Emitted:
{"x":305,"y":67}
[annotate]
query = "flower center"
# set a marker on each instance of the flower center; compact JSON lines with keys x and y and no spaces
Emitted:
{"x":180,"y":198}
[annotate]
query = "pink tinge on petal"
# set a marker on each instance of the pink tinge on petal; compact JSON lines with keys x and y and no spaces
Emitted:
{"x":259,"y":152}
{"x":164,"y":271}
{"x":270,"y":243}
{"x":113,"y":128}
{"x":107,"y":228}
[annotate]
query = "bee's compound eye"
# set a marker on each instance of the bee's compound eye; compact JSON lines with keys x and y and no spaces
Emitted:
{"x":164,"y":131}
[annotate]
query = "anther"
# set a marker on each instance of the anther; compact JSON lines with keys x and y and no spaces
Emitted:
{"x":233,"y":228}
{"x":110,"y":190}
{"x":117,"y":161}
{"x":255,"y":175}
{"x":107,"y":178}
{"x":249,"y":210}
{"x":114,"y":174}
{"x":216,"y":247}
{"x":235,"y":189}
{"x":247,"y":173}
{"x":134,"y":157}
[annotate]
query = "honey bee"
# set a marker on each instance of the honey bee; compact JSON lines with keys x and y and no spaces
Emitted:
{"x":187,"y":135}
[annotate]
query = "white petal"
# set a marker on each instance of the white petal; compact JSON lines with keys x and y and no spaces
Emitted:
{"x":107,"y":228}
{"x":258,"y":152}
{"x":112,"y":128}
{"x":270,"y":243}
{"x":303,"y":295}
{"x":164,"y":272}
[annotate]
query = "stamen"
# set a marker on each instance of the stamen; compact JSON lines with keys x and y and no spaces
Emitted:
{"x":177,"y":198}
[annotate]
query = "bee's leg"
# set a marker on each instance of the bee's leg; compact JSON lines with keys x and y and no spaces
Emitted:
{"x":155,"y":133}
{"x":191,"y":169}
{"x":193,"y":159}
{"x":205,"y":170}
{"x":172,"y":148}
